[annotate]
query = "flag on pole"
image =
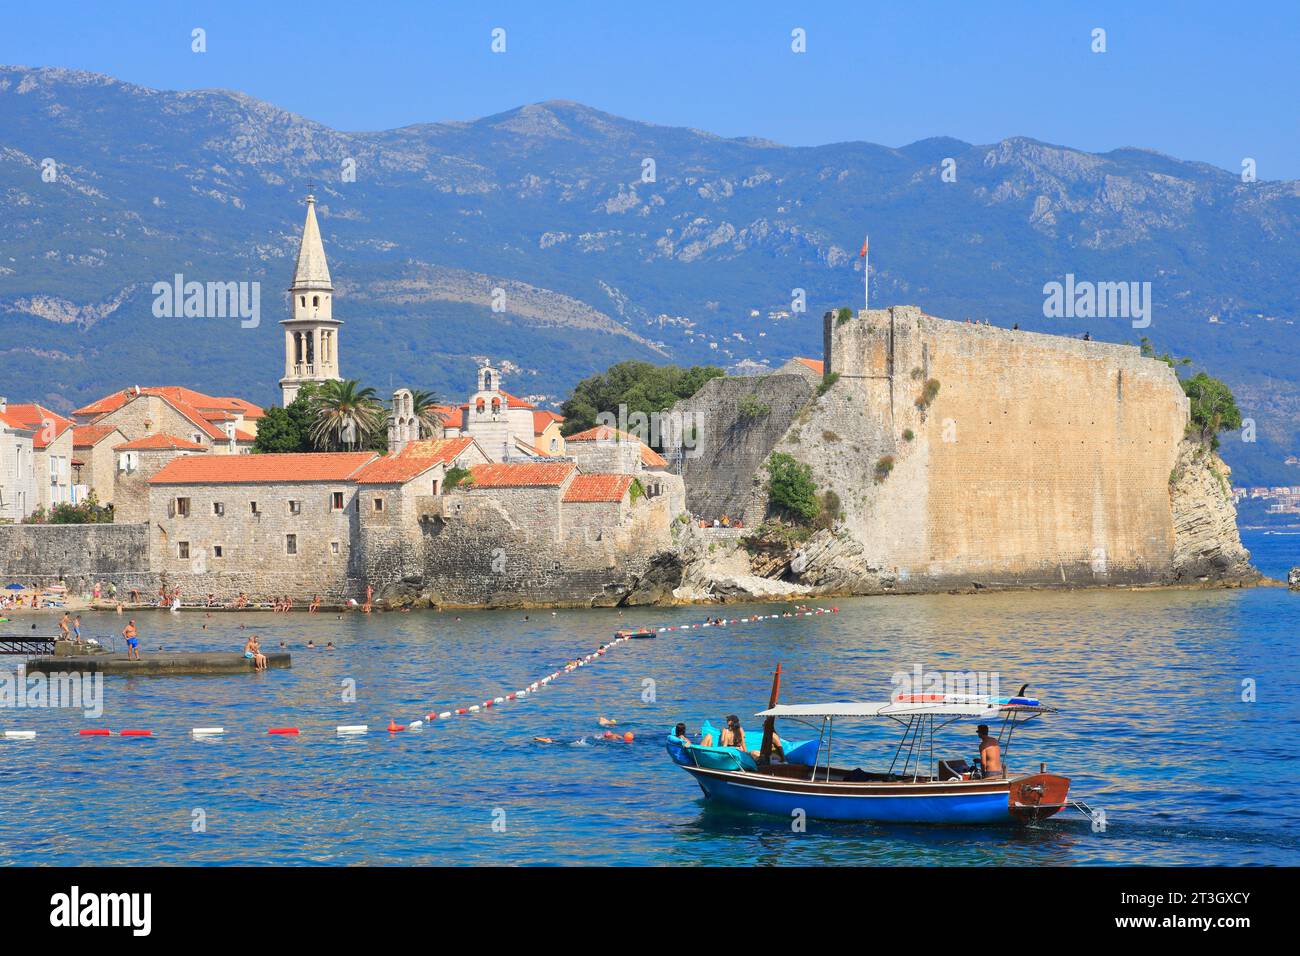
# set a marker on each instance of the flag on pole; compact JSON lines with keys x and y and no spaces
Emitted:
{"x":863,"y":253}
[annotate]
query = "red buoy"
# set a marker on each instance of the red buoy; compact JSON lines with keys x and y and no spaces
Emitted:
{"x":94,"y":733}
{"x":135,"y":733}
{"x":285,"y":731}
{"x":394,"y":727}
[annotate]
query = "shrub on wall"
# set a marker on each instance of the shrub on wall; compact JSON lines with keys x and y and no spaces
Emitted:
{"x":790,"y":488}
{"x":842,"y":315}
{"x":827,"y":382}
{"x":750,"y":408}
{"x":456,"y":477}
{"x":884,"y":465}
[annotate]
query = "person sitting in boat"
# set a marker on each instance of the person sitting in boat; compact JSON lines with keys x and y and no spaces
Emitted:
{"x":990,"y":752}
{"x":733,"y":735}
{"x":680,"y":733}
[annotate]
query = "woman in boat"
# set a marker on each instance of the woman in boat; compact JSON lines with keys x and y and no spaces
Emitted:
{"x":733,"y":735}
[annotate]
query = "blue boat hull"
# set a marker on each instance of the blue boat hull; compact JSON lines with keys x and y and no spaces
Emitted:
{"x":971,"y":802}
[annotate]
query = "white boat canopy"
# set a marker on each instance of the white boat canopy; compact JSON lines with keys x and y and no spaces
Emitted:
{"x":888,"y":709}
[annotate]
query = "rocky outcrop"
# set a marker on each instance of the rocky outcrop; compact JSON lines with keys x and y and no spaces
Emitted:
{"x":1207,"y":545}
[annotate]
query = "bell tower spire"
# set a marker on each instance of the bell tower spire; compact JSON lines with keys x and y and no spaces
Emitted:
{"x":311,"y":332}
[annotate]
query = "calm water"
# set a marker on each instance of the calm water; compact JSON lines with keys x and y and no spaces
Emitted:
{"x":1153,"y":730}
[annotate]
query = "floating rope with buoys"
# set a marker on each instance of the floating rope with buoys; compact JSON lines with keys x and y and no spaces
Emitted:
{"x":488,"y":703}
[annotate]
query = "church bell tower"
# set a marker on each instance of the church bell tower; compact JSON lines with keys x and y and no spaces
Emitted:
{"x":311,"y":334}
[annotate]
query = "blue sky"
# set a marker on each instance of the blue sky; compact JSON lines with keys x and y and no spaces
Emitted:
{"x":1199,"y":80}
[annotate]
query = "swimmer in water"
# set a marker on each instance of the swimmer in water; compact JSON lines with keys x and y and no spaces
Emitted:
{"x":311,"y":644}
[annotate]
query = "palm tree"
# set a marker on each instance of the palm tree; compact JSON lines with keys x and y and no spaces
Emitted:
{"x":423,"y":404}
{"x":344,"y":415}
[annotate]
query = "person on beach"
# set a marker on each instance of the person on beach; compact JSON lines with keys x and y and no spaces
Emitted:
{"x":370,"y":593}
{"x":315,"y":604}
{"x":63,"y":626}
{"x":132,"y":641}
{"x":76,"y":629}
{"x":990,"y":752}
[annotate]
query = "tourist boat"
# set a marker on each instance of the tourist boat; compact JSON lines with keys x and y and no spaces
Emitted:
{"x":916,"y":788}
{"x":641,"y":634}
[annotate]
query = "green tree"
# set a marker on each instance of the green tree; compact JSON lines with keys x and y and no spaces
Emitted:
{"x":790,"y":488}
{"x":1213,"y":408}
{"x":634,"y":386}
{"x":345,"y":415}
{"x":423,"y":404}
{"x":287,"y":429}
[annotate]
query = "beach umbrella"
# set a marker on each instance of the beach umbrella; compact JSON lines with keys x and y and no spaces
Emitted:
{"x":15,"y":587}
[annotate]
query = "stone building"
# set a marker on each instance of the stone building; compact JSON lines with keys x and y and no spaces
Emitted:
{"x":265,"y":525}
{"x":17,"y":467}
{"x":94,"y":462}
{"x":53,"y":453}
{"x":311,"y":333}
{"x":504,"y":425}
{"x":136,"y":462}
{"x":223,"y":426}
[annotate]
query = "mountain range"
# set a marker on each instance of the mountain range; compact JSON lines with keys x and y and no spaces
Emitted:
{"x":557,"y":239}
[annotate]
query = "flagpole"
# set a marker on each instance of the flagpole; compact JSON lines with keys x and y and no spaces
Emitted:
{"x":866,"y":276}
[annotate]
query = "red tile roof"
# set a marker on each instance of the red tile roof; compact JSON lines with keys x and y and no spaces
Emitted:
{"x":514,"y":401}
{"x":87,"y":436}
{"x":542,"y":419}
{"x":159,"y":441}
{"x":597,"y":488}
{"x":195,"y":406}
{"x":250,"y":469}
{"x":816,"y":366}
{"x":10,"y":421}
{"x":47,"y":425}
{"x":603,"y":433}
{"x":525,"y":474}
{"x":412,"y":461}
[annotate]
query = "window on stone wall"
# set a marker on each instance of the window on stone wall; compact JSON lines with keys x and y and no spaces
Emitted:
{"x":295,"y":507}
{"x":183,"y":507}
{"x":182,"y":549}
{"x":252,"y":507}
{"x":334,"y":547}
{"x":379,"y":504}
{"x":218,"y":508}
{"x":290,"y":544}
{"x":336,"y":501}
{"x":218,"y":551}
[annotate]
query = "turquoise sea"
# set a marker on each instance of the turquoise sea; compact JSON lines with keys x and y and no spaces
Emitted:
{"x":1153,"y":730}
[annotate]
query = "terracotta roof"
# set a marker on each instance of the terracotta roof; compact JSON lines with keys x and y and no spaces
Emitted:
{"x":241,"y":435}
{"x":9,"y":420}
{"x":46,"y":424}
{"x":87,"y":436}
{"x":413,"y":460}
{"x":194,"y":405}
{"x":514,"y":401}
{"x":816,"y":366}
{"x":451,"y":417}
{"x":593,"y":488}
{"x":251,"y":412}
{"x":603,"y":433}
{"x":249,"y":469}
{"x":542,"y":419}
{"x":524,"y":474}
{"x":159,"y":441}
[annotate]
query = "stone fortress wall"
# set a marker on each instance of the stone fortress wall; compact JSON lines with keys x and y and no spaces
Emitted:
{"x":1040,"y":459}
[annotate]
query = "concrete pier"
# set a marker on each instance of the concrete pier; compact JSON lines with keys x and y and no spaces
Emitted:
{"x":158,"y":664}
